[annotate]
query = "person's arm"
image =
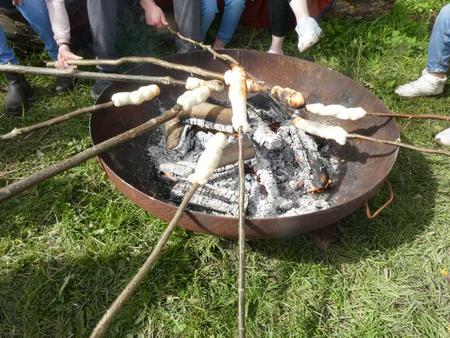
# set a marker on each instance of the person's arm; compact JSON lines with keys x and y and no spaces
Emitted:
{"x":154,"y":16}
{"x":61,"y":29}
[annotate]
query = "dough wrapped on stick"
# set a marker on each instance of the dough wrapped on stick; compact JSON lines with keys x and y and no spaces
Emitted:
{"x":237,"y":93}
{"x":213,"y":85}
{"x":193,"y":97}
{"x":336,"y":110}
{"x":135,"y":97}
{"x":288,"y":96}
{"x":321,"y":130}
{"x":209,"y":159}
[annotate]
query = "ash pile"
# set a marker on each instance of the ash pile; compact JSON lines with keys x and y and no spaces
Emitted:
{"x":287,"y":171}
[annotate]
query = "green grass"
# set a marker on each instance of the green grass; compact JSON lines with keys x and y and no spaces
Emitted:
{"x":69,"y":245}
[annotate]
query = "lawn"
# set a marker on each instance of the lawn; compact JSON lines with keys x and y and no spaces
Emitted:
{"x":68,"y":246}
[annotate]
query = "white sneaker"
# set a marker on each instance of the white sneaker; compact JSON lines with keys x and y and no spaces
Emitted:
{"x":308,"y":33}
{"x":443,"y":137}
{"x":427,"y":84}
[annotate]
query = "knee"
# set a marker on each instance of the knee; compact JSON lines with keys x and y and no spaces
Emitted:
{"x":209,"y":8}
{"x":235,"y":4}
{"x":444,"y":14}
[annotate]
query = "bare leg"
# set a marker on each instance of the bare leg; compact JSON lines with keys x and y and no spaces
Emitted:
{"x":300,"y":8}
{"x":276,"y":47}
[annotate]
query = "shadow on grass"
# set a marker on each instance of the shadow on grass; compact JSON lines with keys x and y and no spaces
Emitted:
{"x":64,"y":297}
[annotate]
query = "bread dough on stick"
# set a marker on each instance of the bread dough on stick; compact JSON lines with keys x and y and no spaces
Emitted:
{"x":136,"y":97}
{"x":318,"y":129}
{"x":337,"y":111}
{"x":209,"y":159}
{"x":213,"y":85}
{"x":288,"y":96}
{"x":237,"y":93}
{"x":193,"y":97}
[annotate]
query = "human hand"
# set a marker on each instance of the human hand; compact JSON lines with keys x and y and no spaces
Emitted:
{"x":64,"y":55}
{"x":17,"y":2}
{"x":154,"y":16}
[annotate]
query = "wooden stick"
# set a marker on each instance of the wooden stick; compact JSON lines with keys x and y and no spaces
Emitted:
{"x":399,"y":144}
{"x":145,"y":59}
{"x":102,"y":326}
{"x":241,"y":275}
{"x":412,"y":116}
{"x":165,"y":80}
{"x":208,"y":48}
{"x":25,"y":130}
{"x":21,"y":185}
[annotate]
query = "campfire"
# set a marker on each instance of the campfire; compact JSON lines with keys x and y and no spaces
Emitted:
{"x":258,"y":160}
{"x":287,"y":170}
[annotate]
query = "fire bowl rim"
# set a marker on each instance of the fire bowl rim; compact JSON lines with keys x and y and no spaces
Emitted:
{"x":192,"y":220}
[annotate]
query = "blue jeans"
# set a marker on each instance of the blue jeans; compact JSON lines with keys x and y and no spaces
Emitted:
{"x":36,"y":13}
{"x":439,"y":46}
{"x":231,"y":16}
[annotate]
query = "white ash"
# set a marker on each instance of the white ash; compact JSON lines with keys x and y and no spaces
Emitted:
{"x":209,"y":125}
{"x":277,"y":181}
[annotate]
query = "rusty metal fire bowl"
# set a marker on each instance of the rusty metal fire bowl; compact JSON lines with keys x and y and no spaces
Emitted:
{"x":365,"y":165}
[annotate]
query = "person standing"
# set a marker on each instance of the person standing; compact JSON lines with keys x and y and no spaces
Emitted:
{"x":434,"y":76}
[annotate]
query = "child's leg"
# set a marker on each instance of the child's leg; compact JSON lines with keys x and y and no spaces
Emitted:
{"x":231,"y":16}
{"x":279,"y":14}
{"x":209,"y":10}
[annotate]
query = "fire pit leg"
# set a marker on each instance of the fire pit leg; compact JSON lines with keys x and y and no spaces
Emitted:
{"x":322,"y":237}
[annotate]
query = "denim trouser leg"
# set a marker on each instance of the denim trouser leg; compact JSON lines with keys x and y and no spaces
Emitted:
{"x":209,"y":11}
{"x":439,"y":46}
{"x":36,"y":13}
{"x":231,"y":16}
{"x":6,"y":53}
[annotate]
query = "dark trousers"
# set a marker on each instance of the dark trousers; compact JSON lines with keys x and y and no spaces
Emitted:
{"x":103,"y":21}
{"x":281,"y":16}
{"x":188,"y":19}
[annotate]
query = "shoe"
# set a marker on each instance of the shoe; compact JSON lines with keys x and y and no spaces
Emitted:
{"x":308,"y":32}
{"x":63,"y":85}
{"x":427,"y":84}
{"x":98,"y":88}
{"x":443,"y":137}
{"x":19,"y":93}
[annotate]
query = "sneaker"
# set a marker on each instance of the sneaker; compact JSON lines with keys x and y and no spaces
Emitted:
{"x":427,"y":84}
{"x":98,"y":88}
{"x":308,"y":33}
{"x":443,"y":137}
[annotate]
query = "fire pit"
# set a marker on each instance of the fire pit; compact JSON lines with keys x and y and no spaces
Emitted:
{"x":362,"y":167}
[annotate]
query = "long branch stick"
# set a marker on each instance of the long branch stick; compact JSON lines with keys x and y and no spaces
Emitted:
{"x":58,"y":119}
{"x":102,"y":326}
{"x":145,"y":59}
{"x":241,"y":275}
{"x":400,"y":144}
{"x":208,"y":48}
{"x":165,"y":80}
{"x":21,"y":185}
{"x":412,"y":116}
